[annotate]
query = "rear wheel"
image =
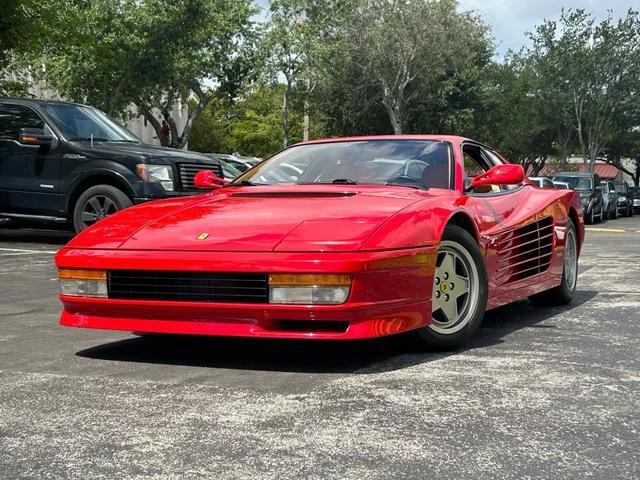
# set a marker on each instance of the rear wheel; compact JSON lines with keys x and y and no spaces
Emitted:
{"x":97,"y":203}
{"x":459,"y":296}
{"x":563,"y":293}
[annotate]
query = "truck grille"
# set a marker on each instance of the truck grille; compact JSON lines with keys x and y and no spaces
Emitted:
{"x":188,"y":286}
{"x":188,"y":171}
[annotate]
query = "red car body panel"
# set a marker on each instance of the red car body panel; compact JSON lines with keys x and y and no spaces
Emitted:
{"x":386,"y":237}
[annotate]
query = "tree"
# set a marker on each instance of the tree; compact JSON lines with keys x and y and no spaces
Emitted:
{"x":410,"y":47}
{"x":152,"y":53}
{"x":399,"y":66}
{"x":25,"y":26}
{"x":250,"y":125}
{"x":286,"y":43}
{"x":600,"y":67}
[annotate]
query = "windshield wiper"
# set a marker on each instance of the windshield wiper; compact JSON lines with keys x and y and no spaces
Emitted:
{"x":122,"y":140}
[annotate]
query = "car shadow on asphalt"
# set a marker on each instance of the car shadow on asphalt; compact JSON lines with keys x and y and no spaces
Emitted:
{"x":36,"y":236}
{"x":331,"y":357}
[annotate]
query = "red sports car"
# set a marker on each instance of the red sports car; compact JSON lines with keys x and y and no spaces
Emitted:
{"x":332,"y":239}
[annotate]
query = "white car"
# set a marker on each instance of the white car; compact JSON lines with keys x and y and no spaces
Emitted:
{"x":542,"y":182}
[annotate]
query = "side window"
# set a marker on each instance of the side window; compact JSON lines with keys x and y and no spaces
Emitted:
{"x":477,"y":161}
{"x":15,"y":117}
{"x":548,"y":183}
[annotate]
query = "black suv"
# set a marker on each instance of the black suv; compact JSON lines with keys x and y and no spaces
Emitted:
{"x":588,"y":186}
{"x":64,"y":162}
{"x":625,"y":198}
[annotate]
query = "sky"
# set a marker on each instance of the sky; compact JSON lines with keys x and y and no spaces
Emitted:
{"x":511,"y":19}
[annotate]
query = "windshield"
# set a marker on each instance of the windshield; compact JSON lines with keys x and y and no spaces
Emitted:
{"x":411,"y":163}
{"x":635,"y":191}
{"x":80,"y":123}
{"x":576,"y":183}
{"x":229,"y":172}
{"x":620,"y":187}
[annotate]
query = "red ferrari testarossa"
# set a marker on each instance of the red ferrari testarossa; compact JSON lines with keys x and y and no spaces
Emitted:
{"x":332,"y":239}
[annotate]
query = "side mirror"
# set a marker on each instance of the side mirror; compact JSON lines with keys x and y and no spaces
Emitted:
{"x":35,"y":136}
{"x":208,"y":180}
{"x":507,"y":174}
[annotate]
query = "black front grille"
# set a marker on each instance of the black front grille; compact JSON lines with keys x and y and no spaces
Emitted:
{"x":189,"y":170}
{"x":189,"y":286}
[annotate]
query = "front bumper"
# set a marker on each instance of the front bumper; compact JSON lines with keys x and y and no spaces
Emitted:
{"x":391,"y":293}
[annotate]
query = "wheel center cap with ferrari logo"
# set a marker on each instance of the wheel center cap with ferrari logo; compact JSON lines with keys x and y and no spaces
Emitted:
{"x":444,"y":287}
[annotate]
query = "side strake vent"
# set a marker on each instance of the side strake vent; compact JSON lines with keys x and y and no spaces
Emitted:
{"x":525,"y":251}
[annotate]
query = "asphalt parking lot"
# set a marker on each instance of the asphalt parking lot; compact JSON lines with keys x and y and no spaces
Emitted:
{"x":542,"y":393}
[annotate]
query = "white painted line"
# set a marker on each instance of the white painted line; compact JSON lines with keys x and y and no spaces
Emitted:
{"x":613,"y":230}
{"x":20,"y":250}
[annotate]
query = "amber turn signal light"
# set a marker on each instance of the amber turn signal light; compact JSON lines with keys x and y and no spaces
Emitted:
{"x":81,"y":274}
{"x":309,"y":279}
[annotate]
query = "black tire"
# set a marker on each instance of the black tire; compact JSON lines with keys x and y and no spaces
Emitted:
{"x":563,"y":293}
{"x":615,"y":213}
{"x":109,"y":201}
{"x":590,"y":217}
{"x":604,"y":216}
{"x":433,"y":340}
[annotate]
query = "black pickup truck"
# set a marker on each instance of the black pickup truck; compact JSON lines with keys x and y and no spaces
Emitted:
{"x":68,"y":163}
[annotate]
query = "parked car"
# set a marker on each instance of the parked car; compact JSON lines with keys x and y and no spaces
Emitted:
{"x":237,"y":164}
{"x":376,"y":236}
{"x":562,"y":185}
{"x":229,"y":166}
{"x":542,"y":182}
{"x":588,"y":186}
{"x":635,"y":193}
{"x":610,"y":199}
{"x":64,"y":162}
{"x":625,"y":199}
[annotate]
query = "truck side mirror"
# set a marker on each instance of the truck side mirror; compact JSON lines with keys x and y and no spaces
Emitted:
{"x":35,"y":136}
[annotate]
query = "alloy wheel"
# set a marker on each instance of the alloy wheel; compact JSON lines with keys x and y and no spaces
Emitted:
{"x":96,"y":208}
{"x":571,"y":260}
{"x":455,"y":289}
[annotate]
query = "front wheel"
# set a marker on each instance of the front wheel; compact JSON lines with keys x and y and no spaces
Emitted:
{"x":563,"y":293}
{"x":459,"y":296}
{"x":97,"y":203}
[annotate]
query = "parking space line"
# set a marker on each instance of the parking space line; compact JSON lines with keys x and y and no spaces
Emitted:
{"x":21,"y":250}
{"x":612,"y":230}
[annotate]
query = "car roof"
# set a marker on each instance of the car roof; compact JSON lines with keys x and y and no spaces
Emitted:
{"x":574,"y":174}
{"x":38,"y":101}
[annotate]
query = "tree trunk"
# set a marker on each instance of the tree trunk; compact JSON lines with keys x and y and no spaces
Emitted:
{"x":285,"y":113}
{"x":148,"y":115}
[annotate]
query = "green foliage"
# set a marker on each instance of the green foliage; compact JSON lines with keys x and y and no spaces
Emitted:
{"x":25,"y":26}
{"x":250,"y":126}
{"x":151,"y":53}
{"x":420,"y":63}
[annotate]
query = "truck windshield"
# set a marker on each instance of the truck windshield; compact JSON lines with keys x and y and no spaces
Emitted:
{"x":81,"y":123}
{"x":577,"y":183}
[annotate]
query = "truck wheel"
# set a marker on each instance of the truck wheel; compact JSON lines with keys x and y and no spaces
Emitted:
{"x":97,"y":203}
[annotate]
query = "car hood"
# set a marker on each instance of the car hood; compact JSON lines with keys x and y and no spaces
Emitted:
{"x":141,"y":151}
{"x":259,"y":219}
